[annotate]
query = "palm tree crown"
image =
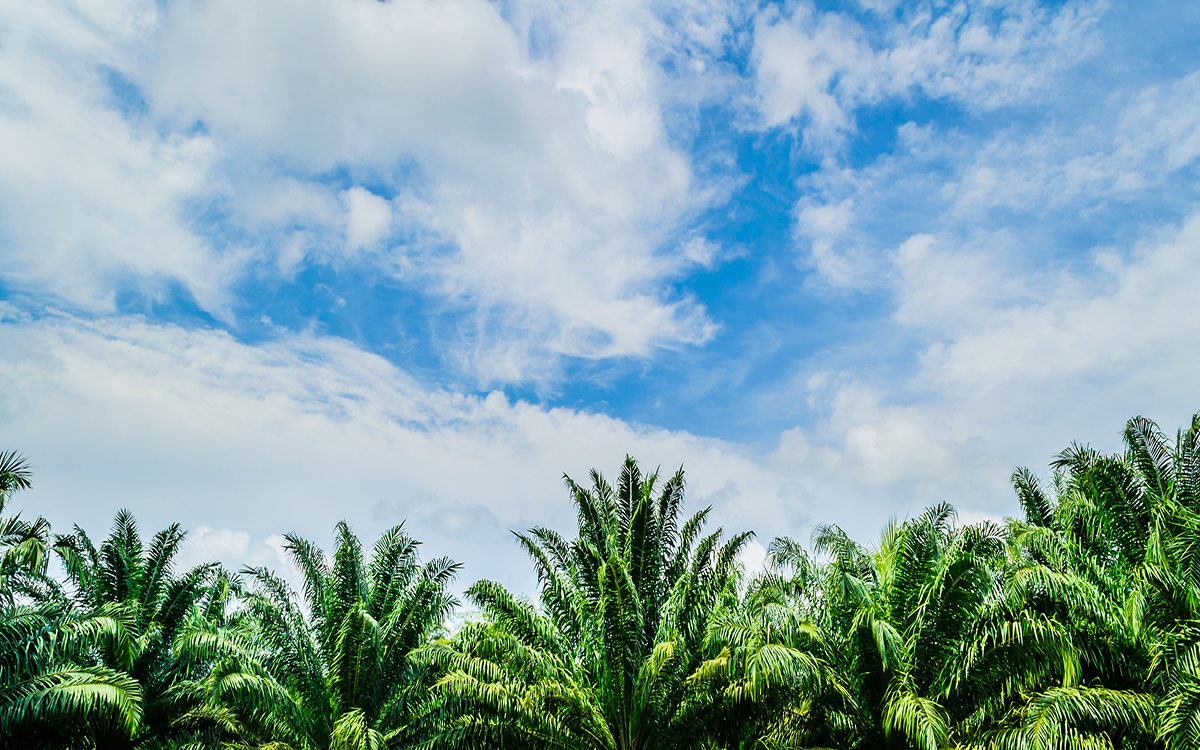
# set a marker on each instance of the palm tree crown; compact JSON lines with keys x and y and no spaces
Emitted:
{"x":605,"y":663}
{"x":24,"y":543}
{"x":338,"y":675}
{"x":137,"y":583}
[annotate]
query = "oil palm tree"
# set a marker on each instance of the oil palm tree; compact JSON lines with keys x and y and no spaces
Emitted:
{"x":139,"y":581}
{"x":605,"y":661}
{"x":47,"y":699}
{"x":900,"y":618}
{"x":24,"y":544}
{"x":50,"y":695}
{"x":1112,"y":546}
{"x":334,"y":672}
{"x":15,"y":473}
{"x":769,"y":684}
{"x":912,"y":644}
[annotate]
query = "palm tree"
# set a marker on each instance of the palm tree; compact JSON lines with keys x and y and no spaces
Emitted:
{"x":606,"y":660}
{"x":771,"y":682}
{"x":899,"y":615}
{"x":15,"y":473}
{"x":24,"y":544}
{"x":47,"y":699}
{"x":125,"y":576}
{"x":913,"y":644}
{"x":338,"y":675}
{"x":49,"y":696}
{"x":1113,"y":548}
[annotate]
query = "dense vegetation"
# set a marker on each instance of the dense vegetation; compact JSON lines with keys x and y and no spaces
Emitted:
{"x":1073,"y":626}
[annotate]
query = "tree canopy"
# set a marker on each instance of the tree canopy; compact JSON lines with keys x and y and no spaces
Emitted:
{"x":1074,"y":625}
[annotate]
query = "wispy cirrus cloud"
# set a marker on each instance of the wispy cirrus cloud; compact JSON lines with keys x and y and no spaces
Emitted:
{"x":822,"y":66}
{"x":969,"y":185}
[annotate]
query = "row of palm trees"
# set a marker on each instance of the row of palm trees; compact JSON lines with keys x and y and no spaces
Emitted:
{"x":1073,"y":626}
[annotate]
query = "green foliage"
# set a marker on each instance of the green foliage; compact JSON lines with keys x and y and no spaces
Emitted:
{"x":609,"y":659}
{"x":1111,"y":551}
{"x":334,"y":673}
{"x":50,"y":696}
{"x":1074,"y":626}
{"x":15,"y":473}
{"x":47,"y":699}
{"x":900,"y":641}
{"x":24,"y":544}
{"x":138,"y":583}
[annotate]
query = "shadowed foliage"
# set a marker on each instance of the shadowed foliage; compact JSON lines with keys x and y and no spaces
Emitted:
{"x":49,"y":696}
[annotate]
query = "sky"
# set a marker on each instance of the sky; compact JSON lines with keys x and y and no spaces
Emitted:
{"x":269,"y":265}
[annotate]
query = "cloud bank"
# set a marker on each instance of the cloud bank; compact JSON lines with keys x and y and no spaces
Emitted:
{"x":270,"y":265}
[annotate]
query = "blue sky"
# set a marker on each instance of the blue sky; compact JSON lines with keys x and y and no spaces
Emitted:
{"x":268,"y":265}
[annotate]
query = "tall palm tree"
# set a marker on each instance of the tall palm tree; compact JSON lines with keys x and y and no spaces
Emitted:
{"x":900,"y":615}
{"x":139,"y":581}
{"x":1113,"y":547}
{"x":605,"y":661}
{"x":337,"y":675}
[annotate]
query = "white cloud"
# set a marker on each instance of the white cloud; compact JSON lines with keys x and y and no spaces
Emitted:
{"x":90,"y":199}
{"x":825,"y":225}
{"x":957,"y":290}
{"x":208,"y":543}
{"x":995,"y":190}
{"x":1160,"y":127}
{"x":368,"y":217}
{"x":1132,"y":327}
{"x":797,"y":62}
{"x":550,"y":178}
{"x":1012,"y":372}
{"x":191,"y":425}
{"x":698,"y":251}
{"x":537,"y":190}
{"x":753,"y":558}
{"x":323,"y":82}
{"x":244,"y":442}
{"x":241,"y":442}
{"x":1140,"y":142}
{"x":1012,"y":360}
{"x":233,"y":548}
{"x":820,"y":66}
{"x":531,"y":179}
